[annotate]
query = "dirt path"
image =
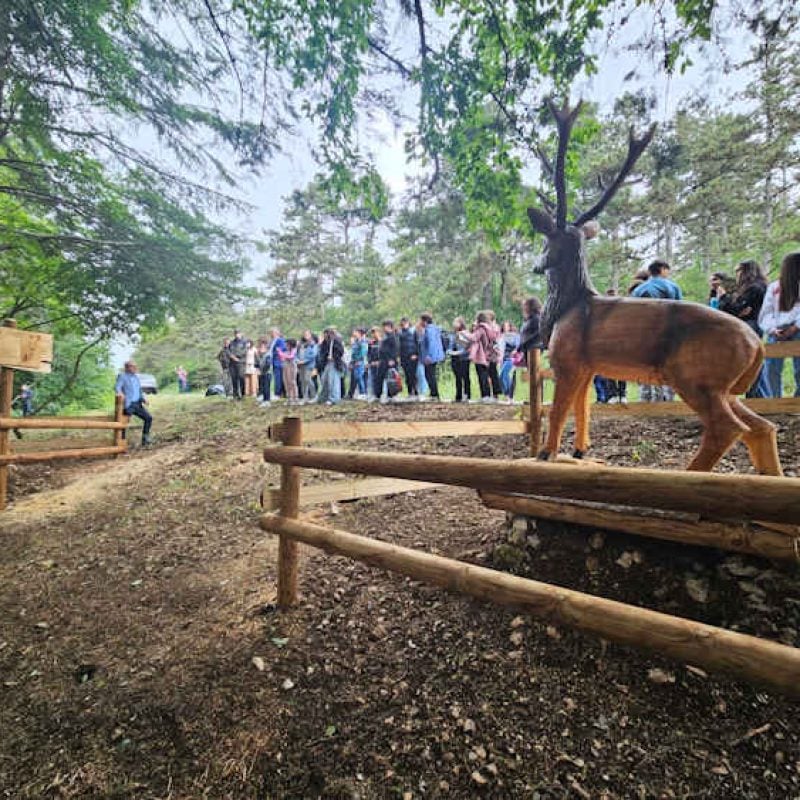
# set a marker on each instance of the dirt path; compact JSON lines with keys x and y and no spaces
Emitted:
{"x":87,"y":484}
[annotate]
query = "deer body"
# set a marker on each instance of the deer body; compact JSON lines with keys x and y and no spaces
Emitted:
{"x":709,"y":357}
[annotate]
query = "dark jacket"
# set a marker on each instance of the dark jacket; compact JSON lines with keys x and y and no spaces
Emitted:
{"x":408,"y":343}
{"x":238,"y":348}
{"x":373,"y":352}
{"x":530,"y":336}
{"x":331,"y":347}
{"x":752,"y":297}
{"x":388,"y":349}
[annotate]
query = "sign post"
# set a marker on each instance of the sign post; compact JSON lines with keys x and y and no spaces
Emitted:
{"x":32,"y":352}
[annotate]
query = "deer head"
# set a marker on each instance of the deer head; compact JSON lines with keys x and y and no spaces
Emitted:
{"x":565,"y":241}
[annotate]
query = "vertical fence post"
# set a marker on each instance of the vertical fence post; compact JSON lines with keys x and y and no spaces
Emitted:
{"x":291,"y":435}
{"x":6,"y":399}
{"x":535,"y":399}
{"x":119,"y":414}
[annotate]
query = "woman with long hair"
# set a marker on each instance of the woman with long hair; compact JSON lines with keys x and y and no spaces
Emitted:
{"x":780,"y":320}
{"x":458,"y":349}
{"x":744,"y":301}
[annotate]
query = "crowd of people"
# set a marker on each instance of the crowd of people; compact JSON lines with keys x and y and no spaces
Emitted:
{"x":771,"y":310}
{"x":378,"y":363}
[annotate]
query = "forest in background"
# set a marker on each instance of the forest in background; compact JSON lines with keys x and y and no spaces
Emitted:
{"x":101,"y":238}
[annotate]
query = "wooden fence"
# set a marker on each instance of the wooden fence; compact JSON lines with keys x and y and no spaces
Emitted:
{"x":116,"y":424}
{"x":737,"y":497}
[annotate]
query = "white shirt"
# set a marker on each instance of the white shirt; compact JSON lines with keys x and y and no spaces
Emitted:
{"x":771,"y":317}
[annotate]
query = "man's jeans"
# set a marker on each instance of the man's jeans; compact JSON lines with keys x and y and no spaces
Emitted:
{"x":137,"y":409}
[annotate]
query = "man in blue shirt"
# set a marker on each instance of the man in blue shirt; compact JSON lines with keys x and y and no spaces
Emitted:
{"x":658,"y":286}
{"x":129,"y":387}
{"x":431,"y":352}
{"x":277,"y":347}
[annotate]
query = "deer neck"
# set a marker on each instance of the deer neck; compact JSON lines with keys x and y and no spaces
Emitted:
{"x":567,"y":286}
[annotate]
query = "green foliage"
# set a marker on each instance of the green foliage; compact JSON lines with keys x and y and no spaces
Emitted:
{"x":97,"y":235}
{"x":82,"y":377}
{"x":479,"y":71}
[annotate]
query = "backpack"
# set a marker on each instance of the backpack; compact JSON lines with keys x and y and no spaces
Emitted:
{"x":394,"y":383}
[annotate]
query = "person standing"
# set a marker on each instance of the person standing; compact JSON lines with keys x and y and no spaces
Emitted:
{"x":264,"y":367}
{"x":306,"y":364}
{"x":388,"y":354}
{"x":480,"y":352}
{"x":658,"y":286}
{"x":431,"y":352}
{"x":183,"y":379}
{"x":744,"y":302}
{"x":278,"y":347}
{"x":458,"y":349}
{"x":289,"y":366}
{"x":358,"y":365}
{"x":510,"y":340}
{"x":130,"y":388}
{"x":373,"y":362}
{"x":250,"y":370}
{"x":780,"y":320}
{"x":237,"y":353}
{"x":224,"y":359}
{"x":330,"y":364}
{"x":409,"y":355}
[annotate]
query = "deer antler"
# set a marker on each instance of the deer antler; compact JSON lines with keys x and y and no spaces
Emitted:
{"x":635,"y":148}
{"x":546,"y":202}
{"x":565,"y":119}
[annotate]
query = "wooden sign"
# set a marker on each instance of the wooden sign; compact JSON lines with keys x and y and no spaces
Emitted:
{"x":32,"y":352}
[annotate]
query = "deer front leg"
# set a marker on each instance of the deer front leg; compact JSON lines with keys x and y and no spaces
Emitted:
{"x":567,"y":388}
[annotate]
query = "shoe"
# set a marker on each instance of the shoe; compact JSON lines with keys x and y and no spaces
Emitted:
{"x":623,"y":401}
{"x":146,"y":441}
{"x":612,"y":401}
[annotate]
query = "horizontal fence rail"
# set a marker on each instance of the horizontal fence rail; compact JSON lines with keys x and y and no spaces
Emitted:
{"x":64,"y":423}
{"x":708,"y":494}
{"x":116,"y":425}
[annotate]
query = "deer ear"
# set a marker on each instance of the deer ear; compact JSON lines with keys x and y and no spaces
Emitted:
{"x":541,"y":221}
{"x":590,"y":229}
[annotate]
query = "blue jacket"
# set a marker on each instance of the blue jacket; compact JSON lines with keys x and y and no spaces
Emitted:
{"x":659,"y":289}
{"x":310,"y":351}
{"x":278,"y":346}
{"x":430,"y":346}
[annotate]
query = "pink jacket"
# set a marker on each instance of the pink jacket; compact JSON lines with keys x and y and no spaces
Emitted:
{"x":481,"y":349}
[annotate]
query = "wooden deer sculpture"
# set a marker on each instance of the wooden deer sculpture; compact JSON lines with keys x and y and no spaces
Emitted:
{"x":709,"y":357}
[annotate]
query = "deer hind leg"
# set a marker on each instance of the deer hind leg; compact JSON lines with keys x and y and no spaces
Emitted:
{"x":761,"y":440}
{"x":721,"y":427}
{"x":567,"y":387}
{"x":582,"y":406}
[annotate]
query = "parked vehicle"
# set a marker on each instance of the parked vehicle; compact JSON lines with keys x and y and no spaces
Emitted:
{"x":148,"y":383}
